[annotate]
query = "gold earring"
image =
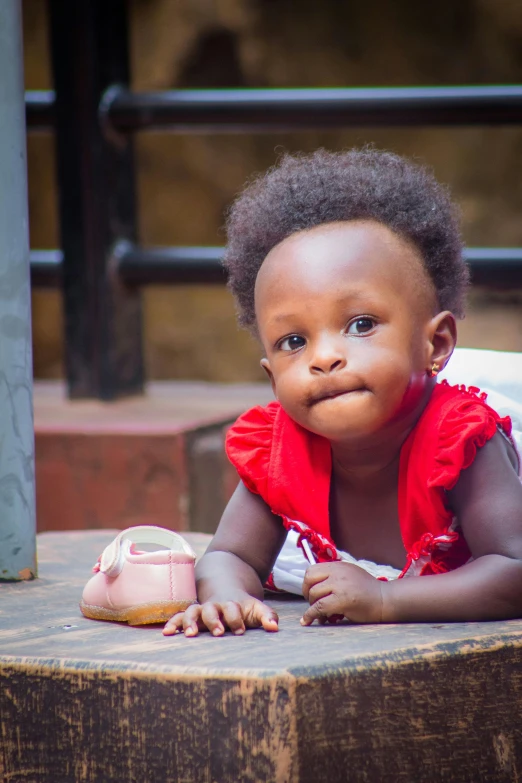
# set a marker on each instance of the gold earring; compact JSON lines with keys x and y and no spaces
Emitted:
{"x":435,"y":368}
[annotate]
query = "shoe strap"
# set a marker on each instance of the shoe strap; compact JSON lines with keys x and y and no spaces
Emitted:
{"x":113,"y":556}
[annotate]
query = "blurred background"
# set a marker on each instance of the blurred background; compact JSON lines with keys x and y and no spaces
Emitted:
{"x":186,"y":182}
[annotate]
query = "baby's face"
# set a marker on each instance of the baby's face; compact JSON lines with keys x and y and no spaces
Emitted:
{"x":345,"y":313}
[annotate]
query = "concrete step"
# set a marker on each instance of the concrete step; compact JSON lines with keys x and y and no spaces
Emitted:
{"x":156,"y":459}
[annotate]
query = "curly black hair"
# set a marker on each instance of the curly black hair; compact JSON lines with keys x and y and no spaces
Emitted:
{"x":303,"y":191}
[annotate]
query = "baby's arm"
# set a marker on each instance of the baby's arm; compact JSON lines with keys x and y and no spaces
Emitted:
{"x":487,"y":501}
{"x":230,"y":575}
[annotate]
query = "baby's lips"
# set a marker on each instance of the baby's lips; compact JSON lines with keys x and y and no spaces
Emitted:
{"x":330,"y":394}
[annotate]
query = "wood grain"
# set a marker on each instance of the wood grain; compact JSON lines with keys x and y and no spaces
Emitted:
{"x":82,"y":700}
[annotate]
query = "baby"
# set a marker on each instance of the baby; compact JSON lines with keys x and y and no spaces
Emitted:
{"x":348,"y":268}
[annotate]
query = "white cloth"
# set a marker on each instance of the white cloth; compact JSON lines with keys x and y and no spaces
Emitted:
{"x":291,"y":565}
{"x":499,"y":374}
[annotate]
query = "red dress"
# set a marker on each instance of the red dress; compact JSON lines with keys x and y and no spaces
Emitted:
{"x":290,"y":468}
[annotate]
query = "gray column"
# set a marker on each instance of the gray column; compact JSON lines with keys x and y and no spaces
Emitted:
{"x":17,"y":503}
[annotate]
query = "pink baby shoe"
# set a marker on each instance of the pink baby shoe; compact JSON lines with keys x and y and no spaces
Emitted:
{"x":140,"y":587}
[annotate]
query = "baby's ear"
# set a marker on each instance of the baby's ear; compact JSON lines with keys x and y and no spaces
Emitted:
{"x":265,"y":364}
{"x":442,"y":338}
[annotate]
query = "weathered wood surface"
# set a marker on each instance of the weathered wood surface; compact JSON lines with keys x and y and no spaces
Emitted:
{"x":82,"y":700}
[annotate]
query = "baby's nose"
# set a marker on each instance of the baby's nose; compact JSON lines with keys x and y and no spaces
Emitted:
{"x":327,"y":357}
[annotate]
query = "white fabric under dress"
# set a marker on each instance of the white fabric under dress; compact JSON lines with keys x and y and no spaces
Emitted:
{"x":499,"y":374}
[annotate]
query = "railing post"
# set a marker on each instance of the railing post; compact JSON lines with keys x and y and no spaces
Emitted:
{"x":103,"y":340}
{"x":17,"y":500}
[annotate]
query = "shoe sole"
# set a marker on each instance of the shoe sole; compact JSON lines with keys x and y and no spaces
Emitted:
{"x":142,"y":614}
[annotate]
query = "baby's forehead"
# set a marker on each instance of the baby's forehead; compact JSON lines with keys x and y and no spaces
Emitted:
{"x":350,"y":248}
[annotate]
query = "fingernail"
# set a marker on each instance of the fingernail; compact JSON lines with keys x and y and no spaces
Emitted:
{"x":190,"y":632}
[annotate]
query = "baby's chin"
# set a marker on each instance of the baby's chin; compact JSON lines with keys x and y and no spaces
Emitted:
{"x":344,"y":417}
{"x":361,"y":417}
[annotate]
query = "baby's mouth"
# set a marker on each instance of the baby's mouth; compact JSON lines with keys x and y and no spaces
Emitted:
{"x":331,"y":394}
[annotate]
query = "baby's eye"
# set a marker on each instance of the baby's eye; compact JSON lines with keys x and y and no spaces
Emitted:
{"x":361,"y":325}
{"x":292,"y":343}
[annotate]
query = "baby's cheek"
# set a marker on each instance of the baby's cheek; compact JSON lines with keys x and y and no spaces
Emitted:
{"x":291,"y":391}
{"x":408,"y":393}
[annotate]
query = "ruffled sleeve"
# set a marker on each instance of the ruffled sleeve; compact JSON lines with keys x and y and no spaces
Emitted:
{"x":456,"y":422}
{"x":465,"y":426}
{"x":287,"y":465}
{"x":249,"y":444}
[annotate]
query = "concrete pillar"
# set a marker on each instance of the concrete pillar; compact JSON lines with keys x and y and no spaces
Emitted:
{"x":17,"y":503}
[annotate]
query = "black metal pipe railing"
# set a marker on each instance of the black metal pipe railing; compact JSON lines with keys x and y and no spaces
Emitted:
{"x":171,"y":265}
{"x":46,"y":268}
{"x":240,"y":110}
{"x":494,"y":267}
{"x":39,"y":109}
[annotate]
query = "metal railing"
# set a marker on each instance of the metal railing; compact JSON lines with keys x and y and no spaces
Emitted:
{"x":494,"y":267}
{"x":94,"y":116}
{"x":247,"y":110}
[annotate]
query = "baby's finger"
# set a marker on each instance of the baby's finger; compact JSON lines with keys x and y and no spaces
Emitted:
{"x":270,"y":622}
{"x":210,"y":616}
{"x":319,"y":590}
{"x":174,"y":625}
{"x":324,"y":607}
{"x":189,"y":620}
{"x":314,"y":575}
{"x":265,"y":617}
{"x":233,"y":617}
{"x":192,"y":620}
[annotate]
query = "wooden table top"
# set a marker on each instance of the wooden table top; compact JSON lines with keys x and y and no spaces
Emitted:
{"x":40,"y":623}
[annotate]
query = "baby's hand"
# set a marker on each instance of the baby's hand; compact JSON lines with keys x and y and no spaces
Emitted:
{"x":342,"y":589}
{"x":215,"y":616}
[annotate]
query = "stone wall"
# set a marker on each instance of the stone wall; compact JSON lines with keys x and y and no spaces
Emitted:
{"x":186,"y":182}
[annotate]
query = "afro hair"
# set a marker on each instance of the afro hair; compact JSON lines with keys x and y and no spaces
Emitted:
{"x":304,"y":191}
